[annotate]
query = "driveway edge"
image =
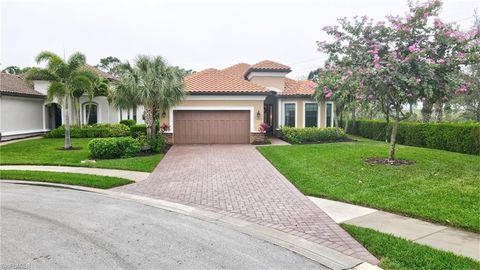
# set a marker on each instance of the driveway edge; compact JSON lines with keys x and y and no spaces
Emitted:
{"x":323,"y":255}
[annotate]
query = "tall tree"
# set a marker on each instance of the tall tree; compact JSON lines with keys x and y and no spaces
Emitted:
{"x":150,"y":82}
{"x":109,"y":64}
{"x":66,"y":77}
{"x":12,"y":70}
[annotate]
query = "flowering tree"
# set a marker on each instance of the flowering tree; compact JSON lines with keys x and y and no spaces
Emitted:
{"x":401,"y":61}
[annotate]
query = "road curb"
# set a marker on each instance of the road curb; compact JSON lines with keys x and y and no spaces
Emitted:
{"x":323,"y":255}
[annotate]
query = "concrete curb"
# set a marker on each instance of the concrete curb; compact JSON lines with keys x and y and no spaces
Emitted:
{"x":323,"y":255}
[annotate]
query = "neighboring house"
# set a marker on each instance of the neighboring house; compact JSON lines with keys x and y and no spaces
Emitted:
{"x":222,"y":106}
{"x":24,"y":110}
{"x":228,"y":105}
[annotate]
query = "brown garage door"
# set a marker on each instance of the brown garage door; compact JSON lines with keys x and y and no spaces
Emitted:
{"x":211,"y":126}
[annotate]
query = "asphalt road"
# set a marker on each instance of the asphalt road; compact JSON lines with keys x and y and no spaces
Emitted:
{"x":54,"y":228}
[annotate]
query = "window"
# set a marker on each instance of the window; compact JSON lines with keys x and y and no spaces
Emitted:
{"x":134,"y":113}
{"x":311,"y":115}
{"x":289,"y":114}
{"x":91,"y":118}
{"x":329,"y":114}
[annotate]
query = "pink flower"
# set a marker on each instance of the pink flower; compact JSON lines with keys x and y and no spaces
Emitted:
{"x":461,"y":89}
{"x":438,"y":23}
{"x":413,"y":48}
{"x":441,"y":61}
{"x":371,"y":97}
{"x":409,"y":94}
{"x":328,"y":94}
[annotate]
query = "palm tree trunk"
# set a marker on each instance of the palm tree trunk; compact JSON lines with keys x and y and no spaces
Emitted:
{"x":149,"y":119}
{"x":393,"y":137}
{"x":67,"y":125}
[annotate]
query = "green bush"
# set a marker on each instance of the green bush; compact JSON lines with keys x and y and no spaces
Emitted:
{"x":108,"y":148}
{"x":312,"y":135}
{"x":158,"y":144}
{"x":455,"y":137}
{"x":95,"y":131}
{"x":135,"y":130}
{"x":128,"y":122}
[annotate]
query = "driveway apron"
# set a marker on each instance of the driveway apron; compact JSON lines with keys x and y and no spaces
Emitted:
{"x":236,"y":180}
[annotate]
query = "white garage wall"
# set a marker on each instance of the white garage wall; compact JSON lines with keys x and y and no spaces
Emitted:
{"x":20,"y":115}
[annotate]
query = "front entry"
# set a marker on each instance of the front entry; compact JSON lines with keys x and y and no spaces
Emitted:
{"x":53,"y":115}
{"x":211,"y":127}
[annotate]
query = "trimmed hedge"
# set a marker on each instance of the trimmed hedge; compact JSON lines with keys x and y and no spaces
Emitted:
{"x":128,"y":122}
{"x":311,"y":135}
{"x":455,"y":137}
{"x":135,"y":130}
{"x":95,"y":131}
{"x":108,"y":148}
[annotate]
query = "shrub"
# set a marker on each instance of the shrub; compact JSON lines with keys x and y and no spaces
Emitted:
{"x":158,"y":144}
{"x":108,"y":148}
{"x":95,"y":131}
{"x":311,"y":134}
{"x":455,"y":137}
{"x":128,"y":122}
{"x":135,"y":130}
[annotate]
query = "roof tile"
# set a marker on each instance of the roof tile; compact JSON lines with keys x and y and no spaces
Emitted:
{"x":15,"y":84}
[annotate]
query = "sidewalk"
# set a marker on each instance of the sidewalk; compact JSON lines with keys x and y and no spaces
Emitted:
{"x":437,"y":236}
{"x":130,"y":175}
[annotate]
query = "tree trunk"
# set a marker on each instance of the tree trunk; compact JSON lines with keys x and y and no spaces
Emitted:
{"x":88,"y":113}
{"x":149,"y":120}
{"x":337,"y":128}
{"x":426,"y":111}
{"x":387,"y":120}
{"x":67,"y":124}
{"x":393,"y":137}
{"x":438,"y":111}
{"x":354,"y":116}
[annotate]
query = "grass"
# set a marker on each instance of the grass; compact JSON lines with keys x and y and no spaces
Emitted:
{"x":77,"y":179}
{"x":397,"y":253}
{"x":441,"y":186}
{"x":46,"y":152}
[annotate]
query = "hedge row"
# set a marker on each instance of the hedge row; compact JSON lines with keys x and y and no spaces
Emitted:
{"x":311,"y":135}
{"x":455,"y":137}
{"x":107,"y":148}
{"x":95,"y":131}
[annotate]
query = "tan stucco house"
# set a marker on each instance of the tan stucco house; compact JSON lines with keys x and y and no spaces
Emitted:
{"x":228,"y":105}
{"x":222,"y":106}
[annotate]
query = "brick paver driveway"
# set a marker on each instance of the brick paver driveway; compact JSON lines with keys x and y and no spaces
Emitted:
{"x":238,"y":181}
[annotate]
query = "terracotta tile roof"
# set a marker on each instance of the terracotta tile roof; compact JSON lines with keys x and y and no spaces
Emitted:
{"x":298,"y":88}
{"x":267,"y":65}
{"x":101,"y":73}
{"x":237,"y":71}
{"x":216,"y":81}
{"x":16,"y":85}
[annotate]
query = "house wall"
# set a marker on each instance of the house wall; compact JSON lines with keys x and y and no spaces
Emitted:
{"x":20,"y":115}
{"x":277,"y":83}
{"x":299,"y":111}
{"x":225,"y":103}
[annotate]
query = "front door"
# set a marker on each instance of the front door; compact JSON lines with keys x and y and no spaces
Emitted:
{"x":268,"y":116}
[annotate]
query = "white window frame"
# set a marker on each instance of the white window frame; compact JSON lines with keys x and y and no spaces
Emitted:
{"x":283,"y":112}
{"x":305,"y":113}
{"x":251,"y":109}
{"x":333,"y":113}
{"x":84,"y":115}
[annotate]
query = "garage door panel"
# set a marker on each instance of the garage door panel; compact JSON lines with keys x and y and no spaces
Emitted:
{"x":211,"y":126}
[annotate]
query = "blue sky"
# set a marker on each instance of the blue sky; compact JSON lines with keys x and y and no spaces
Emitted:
{"x":192,"y":34}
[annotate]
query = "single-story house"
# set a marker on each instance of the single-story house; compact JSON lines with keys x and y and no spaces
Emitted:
{"x":222,"y":106}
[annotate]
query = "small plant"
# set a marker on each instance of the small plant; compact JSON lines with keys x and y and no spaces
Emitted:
{"x":138,"y":129}
{"x":164,"y":127}
{"x":157,"y":144}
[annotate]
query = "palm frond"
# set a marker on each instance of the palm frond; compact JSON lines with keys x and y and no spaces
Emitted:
{"x":47,"y":56}
{"x":35,"y":73}
{"x":76,"y":60}
{"x":56,"y":90}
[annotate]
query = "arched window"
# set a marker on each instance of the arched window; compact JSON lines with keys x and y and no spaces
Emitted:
{"x":92,"y":117}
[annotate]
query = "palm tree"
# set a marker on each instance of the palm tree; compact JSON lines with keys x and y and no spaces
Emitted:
{"x":151,"y":82}
{"x":68,"y":79}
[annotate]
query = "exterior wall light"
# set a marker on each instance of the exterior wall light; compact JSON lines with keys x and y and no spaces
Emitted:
{"x":258,"y":114}
{"x":164,"y":115}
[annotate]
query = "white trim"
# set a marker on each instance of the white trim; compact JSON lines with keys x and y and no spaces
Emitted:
{"x":279,"y":118}
{"x":304,"y":112}
{"x":283,"y":112}
{"x":214,"y":108}
{"x":84,"y":115}
{"x":333,"y":112}
{"x":10,"y":133}
{"x":224,"y":97}
{"x":266,"y":74}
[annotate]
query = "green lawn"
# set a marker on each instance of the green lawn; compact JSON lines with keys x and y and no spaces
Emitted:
{"x":46,"y":152}
{"x":442,"y":186}
{"x":398,"y":253}
{"x":86,"y":180}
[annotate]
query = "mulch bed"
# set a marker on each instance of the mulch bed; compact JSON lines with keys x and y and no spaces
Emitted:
{"x":386,"y":161}
{"x":69,"y":149}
